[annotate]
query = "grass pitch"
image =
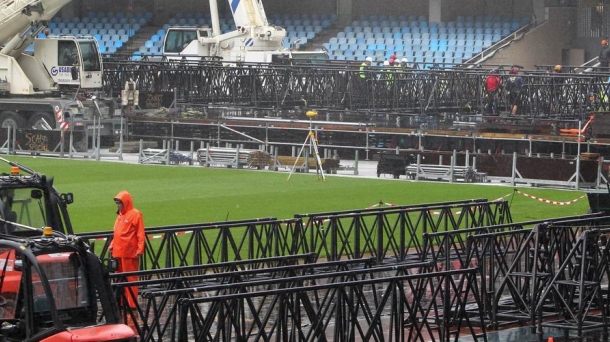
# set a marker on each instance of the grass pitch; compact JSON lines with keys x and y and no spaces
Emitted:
{"x":169,"y":195}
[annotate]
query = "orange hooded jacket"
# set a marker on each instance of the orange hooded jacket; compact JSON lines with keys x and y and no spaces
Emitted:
{"x":129,"y":235}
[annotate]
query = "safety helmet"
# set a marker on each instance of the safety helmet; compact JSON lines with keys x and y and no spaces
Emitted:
{"x":386,"y":63}
{"x":404,"y":60}
{"x":604,"y":42}
{"x":557,"y":68}
{"x":514,"y":70}
{"x":369,"y":59}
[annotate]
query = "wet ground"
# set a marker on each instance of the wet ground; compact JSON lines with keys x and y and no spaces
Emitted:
{"x":524,"y":334}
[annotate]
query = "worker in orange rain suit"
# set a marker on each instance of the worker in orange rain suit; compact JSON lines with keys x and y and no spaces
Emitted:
{"x":128,"y":243}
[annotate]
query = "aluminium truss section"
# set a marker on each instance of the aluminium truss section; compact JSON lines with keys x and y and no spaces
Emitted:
{"x":544,"y":280}
{"x":337,"y":301}
{"x":391,"y":232}
{"x":342,"y":87}
{"x":492,"y":249}
{"x":577,"y":287}
{"x":394,"y":234}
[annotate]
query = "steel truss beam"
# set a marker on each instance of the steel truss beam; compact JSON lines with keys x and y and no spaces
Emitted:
{"x":394,"y":233}
{"x":389,"y":235}
{"x":492,"y":249}
{"x":339,"y":301}
{"x":544,"y":263}
{"x":384,"y":232}
{"x":340,"y":88}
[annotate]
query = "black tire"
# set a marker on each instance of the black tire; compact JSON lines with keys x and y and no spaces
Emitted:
{"x":36,"y":120}
{"x":11,"y":119}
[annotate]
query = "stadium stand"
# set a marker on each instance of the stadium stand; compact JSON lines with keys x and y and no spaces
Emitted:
{"x":301,"y":29}
{"x":111,"y":30}
{"x":429,"y":43}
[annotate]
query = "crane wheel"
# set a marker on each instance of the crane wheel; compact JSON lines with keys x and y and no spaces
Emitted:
{"x":42,"y":120}
{"x":11,"y":119}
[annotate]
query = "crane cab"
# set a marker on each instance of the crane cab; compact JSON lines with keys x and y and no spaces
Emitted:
{"x":70,"y":61}
{"x":182,"y":42}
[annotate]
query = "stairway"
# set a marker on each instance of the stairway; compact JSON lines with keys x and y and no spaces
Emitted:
{"x":321,"y":38}
{"x":135,"y":42}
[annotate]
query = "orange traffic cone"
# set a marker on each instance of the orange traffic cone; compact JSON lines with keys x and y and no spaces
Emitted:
{"x":550,"y":340}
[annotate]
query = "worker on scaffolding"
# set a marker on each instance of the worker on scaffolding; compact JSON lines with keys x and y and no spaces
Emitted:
{"x":493,"y":85}
{"x":514,"y":83}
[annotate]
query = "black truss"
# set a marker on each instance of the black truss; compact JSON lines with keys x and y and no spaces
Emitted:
{"x":404,"y":98}
{"x":492,"y":248}
{"x":472,"y":268}
{"x":384,"y":232}
{"x":339,"y":301}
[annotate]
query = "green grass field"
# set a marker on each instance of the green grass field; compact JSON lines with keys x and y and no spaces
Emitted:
{"x":170,"y":195}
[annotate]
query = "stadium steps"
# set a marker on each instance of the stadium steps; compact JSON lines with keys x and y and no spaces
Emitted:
{"x":138,"y":40}
{"x":323,"y":37}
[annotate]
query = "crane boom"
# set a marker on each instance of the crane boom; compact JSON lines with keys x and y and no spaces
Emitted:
{"x":18,"y":15}
{"x":248,"y":13}
{"x":254,"y":40}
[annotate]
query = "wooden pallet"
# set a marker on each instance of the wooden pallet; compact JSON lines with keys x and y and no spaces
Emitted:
{"x":328,"y":165}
